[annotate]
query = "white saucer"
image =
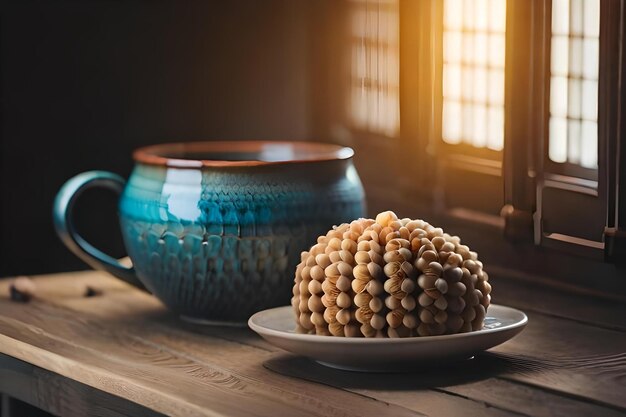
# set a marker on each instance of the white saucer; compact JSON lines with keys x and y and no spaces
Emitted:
{"x":277,"y":325}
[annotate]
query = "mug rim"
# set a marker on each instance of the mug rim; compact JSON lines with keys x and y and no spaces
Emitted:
{"x":308,"y":152}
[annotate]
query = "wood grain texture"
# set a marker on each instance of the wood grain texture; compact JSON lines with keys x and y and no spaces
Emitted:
{"x":568,"y":357}
{"x":532,"y":401}
{"x":577,"y":305}
{"x":487,"y":381}
{"x":124,"y":344}
{"x":556,"y":355}
{"x":417,"y":391}
{"x":109,"y":355}
{"x":60,"y":395}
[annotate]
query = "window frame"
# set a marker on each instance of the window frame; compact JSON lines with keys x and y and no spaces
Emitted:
{"x":523,"y":173}
{"x":528,"y":175}
{"x":579,"y":185}
{"x":462,"y":163}
{"x":613,"y":98}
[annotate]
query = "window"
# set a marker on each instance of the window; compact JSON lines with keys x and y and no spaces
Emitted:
{"x":575,"y":46}
{"x":374,"y":92}
{"x":468,"y":48}
{"x":571,"y":195}
{"x":509,"y":110}
{"x":473,"y":72}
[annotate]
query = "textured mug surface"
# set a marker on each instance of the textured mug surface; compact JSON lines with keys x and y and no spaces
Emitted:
{"x":215,"y":229}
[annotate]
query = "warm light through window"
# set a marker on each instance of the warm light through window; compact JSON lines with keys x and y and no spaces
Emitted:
{"x":374,"y":101}
{"x":473,"y":72}
{"x":574,"y":82}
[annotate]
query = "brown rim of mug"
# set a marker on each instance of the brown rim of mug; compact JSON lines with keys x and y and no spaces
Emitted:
{"x":166,"y":154}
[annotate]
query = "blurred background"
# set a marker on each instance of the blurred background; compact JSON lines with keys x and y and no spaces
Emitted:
{"x":496,"y":119}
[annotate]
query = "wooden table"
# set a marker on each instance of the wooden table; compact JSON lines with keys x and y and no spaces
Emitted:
{"x":123,"y":353}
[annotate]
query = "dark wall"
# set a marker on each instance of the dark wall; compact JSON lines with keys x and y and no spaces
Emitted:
{"x":85,"y":82}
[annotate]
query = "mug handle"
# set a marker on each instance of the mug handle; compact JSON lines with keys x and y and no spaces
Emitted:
{"x":64,"y":224}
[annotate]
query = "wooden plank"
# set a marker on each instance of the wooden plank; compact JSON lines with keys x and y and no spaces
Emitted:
{"x":524,"y":293}
{"x":170,"y":335}
{"x":592,"y":369}
{"x":413,"y":391}
{"x":569,"y":357}
{"x":572,"y":356}
{"x":176,"y":385}
{"x":120,"y":301}
{"x":177,"y":340}
{"x":554,"y":360}
{"x":528,"y":399}
{"x":99,"y":354}
{"x":490,"y":395}
{"x":60,"y":395}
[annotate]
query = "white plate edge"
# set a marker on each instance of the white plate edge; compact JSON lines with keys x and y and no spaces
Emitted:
{"x":260,"y":330}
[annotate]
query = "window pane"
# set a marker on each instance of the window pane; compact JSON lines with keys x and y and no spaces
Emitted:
{"x":558,"y":139}
{"x":358,"y":21}
{"x":468,"y":17}
{"x":590,"y":100}
{"x":591,"y":50}
{"x":573,"y":141}
{"x":481,"y":19}
{"x":479,"y":137}
{"x":574,"y":98}
{"x":358,"y":62}
{"x":481,"y":48}
{"x":496,"y":87}
{"x":452,"y":131}
{"x":467,"y":86}
{"x":589,"y":155}
{"x":387,"y":25}
{"x":496,"y":50}
{"x":468,"y":123}
{"x":473,"y":72}
{"x":573,"y":132}
{"x":576,"y":17}
{"x":560,"y":17}
{"x":453,"y":15}
{"x":468,"y":48}
{"x":374,"y":100}
{"x":559,"y":60}
{"x":495,"y":128}
{"x":575,"y":57}
{"x":497,"y":15}
{"x":558,"y":96}
{"x":452,"y":82}
{"x":480,"y":86}
{"x":591,"y":18}
{"x":359,"y":107}
{"x":452,"y":53}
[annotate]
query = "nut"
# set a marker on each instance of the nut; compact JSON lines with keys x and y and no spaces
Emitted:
{"x":389,"y":277}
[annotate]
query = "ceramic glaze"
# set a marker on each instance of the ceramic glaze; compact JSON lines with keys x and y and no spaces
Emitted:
{"x":218,"y":239}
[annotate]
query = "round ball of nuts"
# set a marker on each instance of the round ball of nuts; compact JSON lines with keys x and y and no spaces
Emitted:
{"x":389,"y":277}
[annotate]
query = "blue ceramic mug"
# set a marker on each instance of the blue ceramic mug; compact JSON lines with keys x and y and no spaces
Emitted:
{"x":215,"y":229}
